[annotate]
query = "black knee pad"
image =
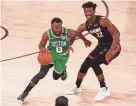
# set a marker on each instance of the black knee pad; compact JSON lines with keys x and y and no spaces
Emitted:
{"x":85,"y":66}
{"x":37,"y":77}
{"x":46,"y":68}
{"x":82,"y":70}
{"x":43,"y":71}
{"x":56,"y":76}
{"x":41,"y":75}
{"x":97,"y":70}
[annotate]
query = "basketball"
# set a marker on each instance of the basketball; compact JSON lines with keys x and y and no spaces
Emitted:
{"x":44,"y":58}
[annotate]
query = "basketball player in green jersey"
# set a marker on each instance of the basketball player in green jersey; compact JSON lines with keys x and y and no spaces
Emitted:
{"x":60,"y":41}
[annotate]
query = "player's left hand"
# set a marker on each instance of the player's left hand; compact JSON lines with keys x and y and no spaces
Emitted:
{"x":69,"y":49}
{"x":109,"y":54}
{"x":87,"y":43}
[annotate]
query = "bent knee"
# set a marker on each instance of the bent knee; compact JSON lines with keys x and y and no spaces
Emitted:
{"x":56,"y":76}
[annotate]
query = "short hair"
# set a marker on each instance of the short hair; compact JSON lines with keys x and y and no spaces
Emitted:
{"x":61,"y":101}
{"x":56,"y":19}
{"x":89,"y":5}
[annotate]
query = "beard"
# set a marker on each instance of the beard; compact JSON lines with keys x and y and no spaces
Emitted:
{"x":90,"y":17}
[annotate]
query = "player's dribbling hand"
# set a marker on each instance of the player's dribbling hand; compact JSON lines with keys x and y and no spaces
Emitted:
{"x":87,"y":43}
{"x":44,"y":50}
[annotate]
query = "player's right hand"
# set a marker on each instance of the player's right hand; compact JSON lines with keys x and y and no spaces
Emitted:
{"x":44,"y":50}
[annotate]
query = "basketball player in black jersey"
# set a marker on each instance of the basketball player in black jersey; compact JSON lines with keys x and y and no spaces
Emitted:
{"x":107,"y":49}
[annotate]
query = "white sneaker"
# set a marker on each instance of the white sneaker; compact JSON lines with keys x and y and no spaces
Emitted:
{"x":102,"y":94}
{"x":73,"y":90}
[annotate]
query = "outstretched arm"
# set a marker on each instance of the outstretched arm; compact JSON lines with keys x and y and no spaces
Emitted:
{"x":72,"y":41}
{"x":74,"y":34}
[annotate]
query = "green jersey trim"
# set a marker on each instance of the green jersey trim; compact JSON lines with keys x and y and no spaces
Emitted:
{"x":55,"y":35}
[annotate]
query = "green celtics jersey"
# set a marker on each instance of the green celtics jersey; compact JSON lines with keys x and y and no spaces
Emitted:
{"x":58,"y":44}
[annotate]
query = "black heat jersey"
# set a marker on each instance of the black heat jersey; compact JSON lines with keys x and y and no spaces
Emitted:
{"x":100,"y":33}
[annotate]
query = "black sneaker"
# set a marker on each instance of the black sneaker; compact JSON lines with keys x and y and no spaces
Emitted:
{"x":64,"y":75}
{"x":22,"y":96}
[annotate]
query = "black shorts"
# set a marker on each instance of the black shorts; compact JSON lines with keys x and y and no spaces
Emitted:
{"x":98,"y":54}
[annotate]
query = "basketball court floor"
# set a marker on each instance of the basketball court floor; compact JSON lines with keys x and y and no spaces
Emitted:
{"x":26,"y":21}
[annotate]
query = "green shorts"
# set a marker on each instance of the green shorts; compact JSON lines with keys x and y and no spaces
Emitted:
{"x":59,"y":62}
